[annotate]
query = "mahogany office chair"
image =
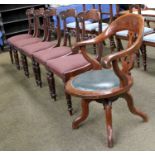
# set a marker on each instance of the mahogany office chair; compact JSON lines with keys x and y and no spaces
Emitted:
{"x":107,"y":84}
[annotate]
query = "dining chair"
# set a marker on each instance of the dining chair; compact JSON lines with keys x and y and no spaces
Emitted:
{"x":38,"y":13}
{"x":67,"y":66}
{"x":30,"y":34}
{"x":48,"y":42}
{"x":42,"y":56}
{"x":123,"y":35}
{"x":149,"y":15}
{"x":148,"y":40}
{"x":112,"y":79}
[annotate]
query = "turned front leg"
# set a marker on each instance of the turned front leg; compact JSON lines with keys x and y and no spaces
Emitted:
{"x":16,"y":59}
{"x":25,"y":65}
{"x":11,"y":55}
{"x":51,"y":84}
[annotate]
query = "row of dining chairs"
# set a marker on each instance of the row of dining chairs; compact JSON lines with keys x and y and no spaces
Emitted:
{"x":58,"y":59}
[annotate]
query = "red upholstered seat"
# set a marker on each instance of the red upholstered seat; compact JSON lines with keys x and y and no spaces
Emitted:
{"x":66,"y":64}
{"x":51,"y":53}
{"x":18,"y":37}
{"x":32,"y":48}
{"x":24,"y":42}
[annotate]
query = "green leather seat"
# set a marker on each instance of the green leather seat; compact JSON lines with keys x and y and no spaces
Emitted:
{"x":96,"y":80}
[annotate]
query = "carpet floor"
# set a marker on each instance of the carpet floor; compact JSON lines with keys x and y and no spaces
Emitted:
{"x":31,"y":120}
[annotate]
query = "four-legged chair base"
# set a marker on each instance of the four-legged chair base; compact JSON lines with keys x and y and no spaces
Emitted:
{"x":108,"y":114}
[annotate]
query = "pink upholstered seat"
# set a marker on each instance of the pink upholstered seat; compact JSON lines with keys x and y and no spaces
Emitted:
{"x":51,"y":53}
{"x":13,"y":39}
{"x":18,"y":44}
{"x":66,"y":64}
{"x":32,"y":48}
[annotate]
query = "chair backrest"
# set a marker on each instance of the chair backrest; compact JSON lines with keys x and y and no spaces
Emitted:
{"x":133,"y":8}
{"x":64,"y":16}
{"x":85,"y":9}
{"x":135,"y":25}
{"x":109,"y":12}
{"x":52,"y":28}
{"x":93,"y":15}
{"x":39,"y":24}
{"x":30,"y":16}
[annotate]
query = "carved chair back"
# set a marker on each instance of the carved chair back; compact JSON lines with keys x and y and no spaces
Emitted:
{"x":136,"y":8}
{"x":39,"y":24}
{"x":64,"y":16}
{"x":30,"y":16}
{"x":94,"y":16}
{"x":135,"y":25}
{"x":84,"y":7}
{"x":109,"y":13}
{"x":52,"y":28}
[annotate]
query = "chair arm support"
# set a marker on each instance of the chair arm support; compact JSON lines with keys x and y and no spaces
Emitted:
{"x":106,"y":61}
{"x":83,"y":43}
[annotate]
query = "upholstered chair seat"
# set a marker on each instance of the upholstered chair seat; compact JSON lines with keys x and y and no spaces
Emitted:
{"x":51,"y":53}
{"x":66,"y":64}
{"x":16,"y":38}
{"x":73,"y":24}
{"x":125,"y":32}
{"x":104,"y":26}
{"x":94,"y":26}
{"x":148,"y":12}
{"x":99,"y":80}
{"x":149,"y":38}
{"x":32,"y":48}
{"x":25,"y":42}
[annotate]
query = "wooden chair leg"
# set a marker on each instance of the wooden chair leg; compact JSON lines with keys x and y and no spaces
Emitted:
{"x":112,"y":44}
{"x":38,"y":74}
{"x":69,"y":39}
{"x":108,"y":115}
{"x":144,"y":55}
{"x":104,"y":43}
{"x":11,"y":55}
{"x":119,"y":44}
{"x":84,"y":114}
{"x":16,"y":59}
{"x":34,"y":71}
{"x":25,"y":65}
{"x":148,"y":23}
{"x":69,"y":104}
{"x":51,"y":84}
{"x":94,"y":47}
{"x":127,"y":96}
{"x":138,"y":58}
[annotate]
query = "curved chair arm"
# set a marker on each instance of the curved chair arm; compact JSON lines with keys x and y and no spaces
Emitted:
{"x":106,"y":61}
{"x":81,"y":46}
